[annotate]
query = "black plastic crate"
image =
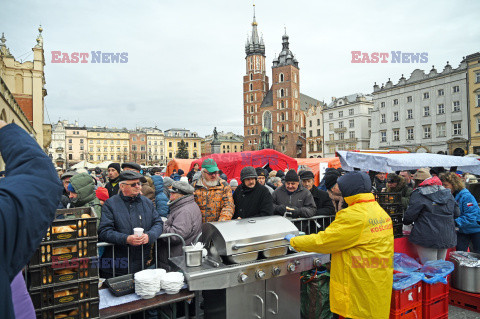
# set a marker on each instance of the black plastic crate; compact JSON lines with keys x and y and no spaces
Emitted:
{"x":397,"y":219}
{"x":388,"y":198}
{"x":392,"y":209}
{"x":80,"y":310}
{"x":397,"y":230}
{"x":65,"y":294}
{"x":60,"y":273}
{"x":69,"y":224}
{"x":58,"y":251}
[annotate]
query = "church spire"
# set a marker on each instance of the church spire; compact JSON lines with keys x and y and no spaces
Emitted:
{"x":254,"y":44}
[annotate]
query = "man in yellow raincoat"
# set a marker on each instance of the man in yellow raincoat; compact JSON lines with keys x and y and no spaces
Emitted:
{"x":361,"y":243}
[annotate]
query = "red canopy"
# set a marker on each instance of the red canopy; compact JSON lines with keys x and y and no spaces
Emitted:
{"x":232,"y":163}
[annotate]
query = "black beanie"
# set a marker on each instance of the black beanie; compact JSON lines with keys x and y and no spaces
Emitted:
{"x":115,"y":166}
{"x":291,"y":176}
{"x":280,"y":173}
{"x":180,"y":172}
{"x":330,"y":180}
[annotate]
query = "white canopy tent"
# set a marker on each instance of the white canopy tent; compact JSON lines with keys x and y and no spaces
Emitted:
{"x":83,"y":164}
{"x":104,"y":165}
{"x":398,"y":162}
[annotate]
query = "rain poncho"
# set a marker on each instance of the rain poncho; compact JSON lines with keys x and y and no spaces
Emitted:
{"x":361,"y":243}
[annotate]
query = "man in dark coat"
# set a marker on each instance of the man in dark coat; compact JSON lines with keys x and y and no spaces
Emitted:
{"x":120,"y":215}
{"x":113,"y":172}
{"x":292,"y":199}
{"x":29,"y":195}
{"x":185,"y":219}
{"x":322,"y":200}
{"x":250,"y":198}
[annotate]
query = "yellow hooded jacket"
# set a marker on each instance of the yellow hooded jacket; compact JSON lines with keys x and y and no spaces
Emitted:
{"x":361,"y":243}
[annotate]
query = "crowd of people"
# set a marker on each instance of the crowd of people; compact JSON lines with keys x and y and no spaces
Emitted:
{"x":437,"y":202}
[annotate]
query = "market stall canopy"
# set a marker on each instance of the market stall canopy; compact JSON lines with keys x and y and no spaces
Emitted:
{"x":104,"y":165}
{"x":398,"y":162}
{"x":83,"y":164}
{"x":232,"y":163}
{"x":316,"y":163}
{"x":177,"y":163}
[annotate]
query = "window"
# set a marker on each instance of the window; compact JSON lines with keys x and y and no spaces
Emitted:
{"x":456,"y":88}
{"x":310,"y":122}
{"x":441,"y":131}
{"x":383,"y":136}
{"x":194,"y":144}
{"x":69,"y":147}
{"x":350,"y":112}
{"x":91,"y":157}
{"x":251,"y":87}
{"x":456,"y":106}
{"x":330,"y":126}
{"x":395,"y":116}
{"x":91,"y":149}
{"x":351,"y":134}
{"x":251,"y":76}
{"x":81,"y":147}
{"x":351,"y":123}
{"x":332,"y":137}
{"x":478,"y":124}
{"x":382,"y":118}
{"x":426,"y":95}
{"x":69,"y":140}
{"x":318,"y":132}
{"x":382,"y":104}
{"x":441,"y":109}
{"x":370,"y":111}
{"x":340,"y":124}
{"x":330,"y":116}
{"x":310,"y":133}
{"x":410,"y":135}
{"x":409,"y":98}
{"x":395,"y":102}
{"x":169,"y":144}
{"x":340,"y":113}
{"x":341,"y":136}
{"x":70,"y":156}
{"x":409,"y":114}
{"x":478,"y":100}
{"x":134,"y":138}
{"x":82,"y":157}
{"x":318,"y":121}
{"x":427,"y":131}
{"x":396,"y":135}
{"x":369,"y":122}
{"x":91,"y":141}
{"x":457,"y":128}
{"x":280,"y":77}
{"x":81,"y":141}
{"x":426,"y":111}
{"x":441,"y":92}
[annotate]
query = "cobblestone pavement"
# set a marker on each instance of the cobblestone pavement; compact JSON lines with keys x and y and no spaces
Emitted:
{"x":460,"y":313}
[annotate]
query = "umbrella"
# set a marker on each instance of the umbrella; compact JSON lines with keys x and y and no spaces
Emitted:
{"x":399,"y":162}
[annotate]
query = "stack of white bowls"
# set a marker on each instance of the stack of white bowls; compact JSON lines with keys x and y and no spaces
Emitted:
{"x":147,"y":283}
{"x":172,"y":282}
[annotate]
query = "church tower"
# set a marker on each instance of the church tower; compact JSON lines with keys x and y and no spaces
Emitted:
{"x":288,"y":117}
{"x":255,"y":87}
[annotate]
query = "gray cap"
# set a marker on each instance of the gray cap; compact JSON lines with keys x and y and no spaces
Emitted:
{"x":132,"y":165}
{"x":129,"y":175}
{"x":248,"y":172}
{"x":181,"y":188}
{"x":233,"y":183}
{"x":68,"y":174}
{"x":167,"y":181}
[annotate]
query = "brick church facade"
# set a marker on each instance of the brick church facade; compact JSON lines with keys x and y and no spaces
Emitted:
{"x":274,"y":117}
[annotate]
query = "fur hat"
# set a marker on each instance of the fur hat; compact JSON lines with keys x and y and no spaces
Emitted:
{"x":422,"y":174}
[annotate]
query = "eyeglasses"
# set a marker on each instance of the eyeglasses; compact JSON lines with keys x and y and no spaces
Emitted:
{"x":134,"y":184}
{"x":213,"y":173}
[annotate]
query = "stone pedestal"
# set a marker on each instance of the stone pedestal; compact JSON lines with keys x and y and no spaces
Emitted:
{"x":215,"y":147}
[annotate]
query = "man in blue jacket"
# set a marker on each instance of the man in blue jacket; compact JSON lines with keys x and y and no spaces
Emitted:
{"x":120,"y":215}
{"x":26,"y":209}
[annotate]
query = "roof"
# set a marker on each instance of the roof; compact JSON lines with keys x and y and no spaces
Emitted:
{"x":307,"y":101}
{"x":268,"y":99}
{"x":286,"y":57}
{"x":350,"y":99}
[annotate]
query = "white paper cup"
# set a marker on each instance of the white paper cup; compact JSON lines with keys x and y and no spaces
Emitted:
{"x":138,"y":231}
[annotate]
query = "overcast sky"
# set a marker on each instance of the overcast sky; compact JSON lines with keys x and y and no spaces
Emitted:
{"x":186,"y":59}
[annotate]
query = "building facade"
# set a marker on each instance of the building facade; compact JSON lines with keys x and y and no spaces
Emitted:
{"x":25,"y":82}
{"x":314,"y":131}
{"x":229,"y":143}
{"x":174,"y":136}
{"x":75,"y":144}
{"x":108,"y":144}
{"x":274,"y":117}
{"x":138,"y":147}
{"x":424,"y":113}
{"x":155,"y":146}
{"x":473,"y":100}
{"x":57,"y":151}
{"x":347,"y":122}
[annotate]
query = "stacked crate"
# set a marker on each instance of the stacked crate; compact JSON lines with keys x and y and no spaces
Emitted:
{"x":435,"y":300}
{"x":62,"y":276}
{"x":392,"y":204}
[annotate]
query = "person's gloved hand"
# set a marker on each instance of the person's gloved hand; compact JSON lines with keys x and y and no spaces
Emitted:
{"x":295,"y":212}
{"x":280,"y":210}
{"x":289,"y":236}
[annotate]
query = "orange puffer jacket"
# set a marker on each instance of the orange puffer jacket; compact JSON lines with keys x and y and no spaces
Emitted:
{"x":216,"y":203}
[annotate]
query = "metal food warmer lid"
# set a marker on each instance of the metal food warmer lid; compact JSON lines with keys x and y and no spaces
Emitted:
{"x":241,"y":240}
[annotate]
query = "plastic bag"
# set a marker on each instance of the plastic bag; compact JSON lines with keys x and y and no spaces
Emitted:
{"x":315,"y":296}
{"x":405,"y":280}
{"x":436,"y":271}
{"x":405,"y":263}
